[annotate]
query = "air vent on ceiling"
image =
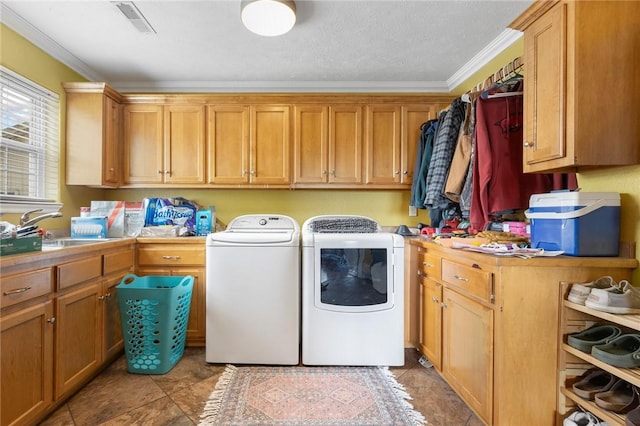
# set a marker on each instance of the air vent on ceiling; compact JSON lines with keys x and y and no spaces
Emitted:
{"x":133,"y":14}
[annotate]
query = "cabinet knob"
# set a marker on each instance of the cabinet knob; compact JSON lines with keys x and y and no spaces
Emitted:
{"x":111,"y":169}
{"x":171,"y":257}
{"x":333,"y":173}
{"x":167,"y":172}
{"x":324,"y":172}
{"x":405,"y":172}
{"x":252,"y":172}
{"x":51,"y":320}
{"x":444,"y":305}
{"x":101,"y":298}
{"x":527,"y":144}
{"x":159,"y":172}
{"x":397,"y":172}
{"x":459,"y":278}
{"x":244,"y":173}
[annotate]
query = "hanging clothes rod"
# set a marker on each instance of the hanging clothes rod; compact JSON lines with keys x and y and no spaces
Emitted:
{"x":503,"y":73}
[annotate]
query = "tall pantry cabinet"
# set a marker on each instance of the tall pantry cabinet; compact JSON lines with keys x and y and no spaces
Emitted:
{"x":580,"y":92}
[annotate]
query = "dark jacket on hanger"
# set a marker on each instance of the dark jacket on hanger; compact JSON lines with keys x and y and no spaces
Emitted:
{"x":499,"y":183}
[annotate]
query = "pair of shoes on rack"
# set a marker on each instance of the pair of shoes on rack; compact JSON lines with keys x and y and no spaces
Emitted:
{"x":607,"y":391}
{"x":624,"y":300}
{"x":607,"y":343}
{"x":598,"y":334}
{"x":580,"y":291}
{"x":621,"y":398}
{"x":583,"y":418}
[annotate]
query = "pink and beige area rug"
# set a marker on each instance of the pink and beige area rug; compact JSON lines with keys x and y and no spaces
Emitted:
{"x":286,"y":396}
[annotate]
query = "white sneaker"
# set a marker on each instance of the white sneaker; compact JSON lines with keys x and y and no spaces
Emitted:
{"x":582,"y":418}
{"x":580,"y":291}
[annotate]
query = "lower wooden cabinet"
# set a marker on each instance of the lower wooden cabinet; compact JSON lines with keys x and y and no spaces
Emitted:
{"x":59,"y":324}
{"x":431,"y":321}
{"x":467,"y":350}
{"x":78,"y":337}
{"x":493,"y":334}
{"x":26,"y":350}
{"x":179,"y":256}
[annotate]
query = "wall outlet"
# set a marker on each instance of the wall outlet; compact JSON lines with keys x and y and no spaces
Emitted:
{"x":413,"y":211}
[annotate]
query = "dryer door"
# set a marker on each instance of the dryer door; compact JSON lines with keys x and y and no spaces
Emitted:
{"x":353,"y":272}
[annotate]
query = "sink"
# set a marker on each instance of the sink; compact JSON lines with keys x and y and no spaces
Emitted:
{"x":59,"y":243}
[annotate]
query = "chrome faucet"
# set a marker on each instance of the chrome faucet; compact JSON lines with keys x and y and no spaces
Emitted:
{"x":25,"y":219}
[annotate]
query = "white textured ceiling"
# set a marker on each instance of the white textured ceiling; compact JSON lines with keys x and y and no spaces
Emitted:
{"x":400,"y":45}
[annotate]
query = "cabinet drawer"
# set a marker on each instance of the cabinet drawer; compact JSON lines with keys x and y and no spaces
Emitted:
{"x":120,"y":261}
{"x":29,"y":285}
{"x":174,"y":255}
{"x":470,"y":279}
{"x":79,"y":271}
{"x":429,"y":265}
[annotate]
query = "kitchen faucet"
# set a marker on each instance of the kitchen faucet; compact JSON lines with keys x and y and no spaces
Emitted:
{"x":25,"y":220}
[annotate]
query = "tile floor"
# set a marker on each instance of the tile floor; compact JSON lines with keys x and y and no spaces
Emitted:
{"x":116,"y":397}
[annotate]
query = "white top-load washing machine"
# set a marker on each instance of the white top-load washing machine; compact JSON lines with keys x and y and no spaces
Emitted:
{"x":253,"y":291}
{"x":352,"y":293}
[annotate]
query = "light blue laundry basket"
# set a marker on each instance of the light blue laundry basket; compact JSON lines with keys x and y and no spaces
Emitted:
{"x":154,"y":311}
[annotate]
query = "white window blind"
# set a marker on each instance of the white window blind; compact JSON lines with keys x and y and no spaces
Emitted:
{"x":29,"y":154}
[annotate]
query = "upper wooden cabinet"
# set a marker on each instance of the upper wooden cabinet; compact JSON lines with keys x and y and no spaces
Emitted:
{"x":228,"y":144}
{"x":143,"y":144}
{"x":328,"y":144}
{"x":94,"y":151}
{"x":383,"y":148}
{"x":411,"y":119}
{"x":248,"y":144}
{"x":580,"y":106}
{"x":235,"y":141}
{"x":164,"y":144}
{"x":269,"y":145}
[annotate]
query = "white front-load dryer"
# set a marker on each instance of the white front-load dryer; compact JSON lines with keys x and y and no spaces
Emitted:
{"x":352,"y":293}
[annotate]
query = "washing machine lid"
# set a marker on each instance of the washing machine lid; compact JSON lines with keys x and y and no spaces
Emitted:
{"x":261,"y":229}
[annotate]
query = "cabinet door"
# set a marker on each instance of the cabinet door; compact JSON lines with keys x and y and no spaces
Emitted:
{"x":311,"y":125}
{"x":345,"y":144}
{"x":112,"y":147}
{"x":112,"y":340}
{"x":26,"y":358}
{"x":143,"y":147}
{"x":545,"y":88}
{"x":412,"y":118}
{"x":431,"y":324}
{"x":383,"y":145}
{"x":228,"y":144}
{"x":269,"y":145}
{"x":184,"y":152}
{"x":78,"y":337}
{"x":467,"y":353}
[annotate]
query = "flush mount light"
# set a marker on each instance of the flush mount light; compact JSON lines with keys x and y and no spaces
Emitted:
{"x":268,"y":17}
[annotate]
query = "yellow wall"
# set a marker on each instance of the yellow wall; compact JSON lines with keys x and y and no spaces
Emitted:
{"x":390,"y":208}
{"x":22,"y":57}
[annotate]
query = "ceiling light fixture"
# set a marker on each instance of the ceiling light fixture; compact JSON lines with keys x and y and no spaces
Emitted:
{"x":268,"y":17}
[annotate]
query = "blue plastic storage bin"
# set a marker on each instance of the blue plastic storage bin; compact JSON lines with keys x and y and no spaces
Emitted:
{"x":154,"y":311}
{"x":578,"y":223}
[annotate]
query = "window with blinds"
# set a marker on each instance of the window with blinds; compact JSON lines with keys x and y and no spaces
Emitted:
{"x":29,"y":154}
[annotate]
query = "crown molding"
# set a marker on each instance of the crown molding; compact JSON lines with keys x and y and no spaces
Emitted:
{"x":482,"y":58}
{"x":280,"y":86}
{"x":44,"y":42}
